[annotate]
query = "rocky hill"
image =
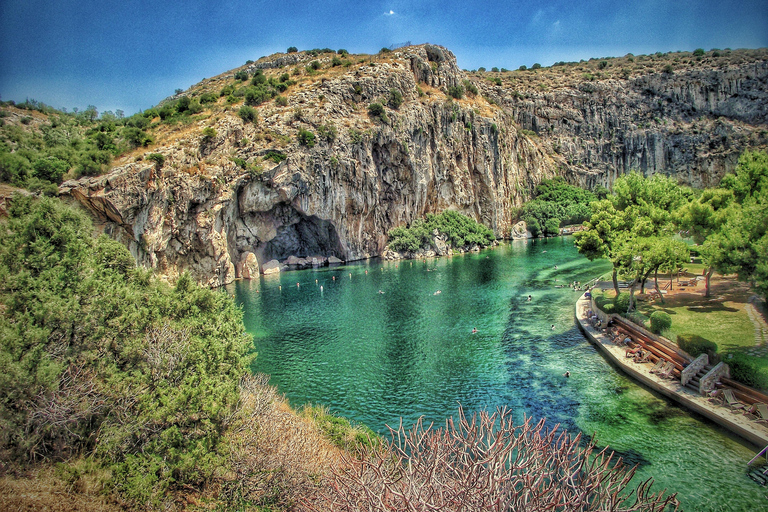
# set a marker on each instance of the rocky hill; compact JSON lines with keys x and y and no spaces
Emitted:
{"x":353,"y":146}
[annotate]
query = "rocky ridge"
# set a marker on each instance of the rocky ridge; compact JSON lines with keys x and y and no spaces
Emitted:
{"x":206,"y":212}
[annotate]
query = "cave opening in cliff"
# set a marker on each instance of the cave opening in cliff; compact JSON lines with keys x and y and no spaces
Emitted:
{"x":308,"y":236}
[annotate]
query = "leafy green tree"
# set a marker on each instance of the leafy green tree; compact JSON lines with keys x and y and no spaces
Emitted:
{"x":640,"y":208}
{"x":740,"y":245}
{"x":292,"y":49}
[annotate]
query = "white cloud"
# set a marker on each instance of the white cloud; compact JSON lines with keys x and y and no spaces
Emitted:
{"x":390,"y":13}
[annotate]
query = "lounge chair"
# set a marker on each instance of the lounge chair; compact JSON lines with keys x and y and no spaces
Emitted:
{"x":659,"y":365}
{"x":643,"y":356}
{"x":731,"y":400}
{"x":666,"y":370}
{"x":758,"y":412}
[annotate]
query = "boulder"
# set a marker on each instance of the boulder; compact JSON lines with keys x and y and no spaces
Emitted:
{"x":333,"y":260}
{"x":248,"y":266}
{"x":271,"y":267}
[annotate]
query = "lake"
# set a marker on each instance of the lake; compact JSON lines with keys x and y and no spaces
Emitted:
{"x":375,"y":342}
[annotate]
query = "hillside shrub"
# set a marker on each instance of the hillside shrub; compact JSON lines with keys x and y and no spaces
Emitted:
{"x":745,"y":370}
{"x":281,"y":101}
{"x":696,"y":345}
{"x":456,"y":91}
{"x":248,"y":114}
{"x":275,"y":156}
{"x":292,"y":49}
{"x":376,"y":110}
{"x":158,"y":158}
{"x":660,"y":321}
{"x":395,"y":98}
{"x":241,"y":75}
{"x":328,"y":131}
{"x":306,"y":138}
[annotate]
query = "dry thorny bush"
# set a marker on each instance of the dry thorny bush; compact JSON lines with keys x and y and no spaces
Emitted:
{"x":276,"y":457}
{"x":485,"y":463}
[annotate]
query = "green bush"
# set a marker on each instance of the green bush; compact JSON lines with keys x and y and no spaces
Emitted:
{"x":377,"y":110}
{"x":209,"y":133}
{"x":275,"y":156}
{"x":621,"y":302}
{"x":158,"y":158}
{"x":241,"y":75}
{"x":745,"y":370}
{"x":698,"y":52}
{"x":281,"y":101}
{"x":459,"y":230}
{"x":696,"y":345}
{"x":306,"y":138}
{"x":608,"y":308}
{"x":660,"y":321}
{"x":456,"y":91}
{"x":328,"y":131}
{"x":248,"y":114}
{"x":292,"y":49}
{"x":395,"y":98}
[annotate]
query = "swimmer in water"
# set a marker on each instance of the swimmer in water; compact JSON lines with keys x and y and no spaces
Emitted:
{"x":553,"y":327}
{"x":567,"y":374}
{"x":530,"y":298}
{"x":474,"y":330}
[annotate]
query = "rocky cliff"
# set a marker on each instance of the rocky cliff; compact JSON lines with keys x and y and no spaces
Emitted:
{"x":223,"y":203}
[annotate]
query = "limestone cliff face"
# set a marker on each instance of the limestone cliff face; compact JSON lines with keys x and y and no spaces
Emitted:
{"x":202,"y":212}
{"x":691,"y":123}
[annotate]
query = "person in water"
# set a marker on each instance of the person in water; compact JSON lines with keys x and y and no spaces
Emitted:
{"x":553,"y":327}
{"x":474,"y":330}
{"x":567,"y":374}
{"x":530,"y":298}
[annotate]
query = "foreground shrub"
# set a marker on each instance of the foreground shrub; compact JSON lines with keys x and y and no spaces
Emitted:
{"x":306,"y":138}
{"x":696,"y":345}
{"x":486,"y":463}
{"x":660,"y":321}
{"x":99,"y":358}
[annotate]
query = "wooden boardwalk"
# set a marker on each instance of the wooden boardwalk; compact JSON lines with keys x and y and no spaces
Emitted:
{"x":754,"y":432}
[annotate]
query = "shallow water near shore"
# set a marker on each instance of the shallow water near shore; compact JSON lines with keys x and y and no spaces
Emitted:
{"x":408,"y":352}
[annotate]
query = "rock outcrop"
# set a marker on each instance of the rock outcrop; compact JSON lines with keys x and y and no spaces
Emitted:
{"x":219,"y":206}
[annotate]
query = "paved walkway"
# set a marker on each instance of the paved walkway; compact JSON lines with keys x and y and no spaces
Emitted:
{"x":755,"y":433}
{"x":761,"y":329}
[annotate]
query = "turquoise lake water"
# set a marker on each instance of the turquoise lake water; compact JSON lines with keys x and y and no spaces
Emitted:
{"x":377,"y":357}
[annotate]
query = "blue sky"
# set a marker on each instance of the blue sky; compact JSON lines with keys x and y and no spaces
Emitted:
{"x":129,"y":55}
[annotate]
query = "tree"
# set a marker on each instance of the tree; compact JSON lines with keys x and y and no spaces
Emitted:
{"x":639,"y":208}
{"x":701,"y":218}
{"x":740,"y":245}
{"x":292,"y":49}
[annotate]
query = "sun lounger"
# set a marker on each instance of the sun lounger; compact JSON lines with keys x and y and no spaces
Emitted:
{"x":731,"y":400}
{"x":758,"y":413}
{"x":659,"y":365}
{"x":666,"y":370}
{"x":643,"y":356}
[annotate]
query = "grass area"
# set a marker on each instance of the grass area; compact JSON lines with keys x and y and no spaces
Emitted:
{"x":720,"y":318}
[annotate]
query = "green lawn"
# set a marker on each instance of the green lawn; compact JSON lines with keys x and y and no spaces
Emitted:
{"x":720,"y":318}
